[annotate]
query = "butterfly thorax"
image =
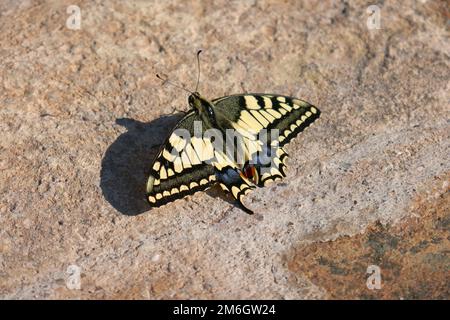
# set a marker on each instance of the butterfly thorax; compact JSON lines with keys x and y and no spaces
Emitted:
{"x":204,"y":108}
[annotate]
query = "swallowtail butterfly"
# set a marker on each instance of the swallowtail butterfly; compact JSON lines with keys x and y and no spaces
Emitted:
{"x":235,"y":141}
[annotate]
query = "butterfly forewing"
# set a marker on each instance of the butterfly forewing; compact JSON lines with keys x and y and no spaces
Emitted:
{"x":255,"y":112}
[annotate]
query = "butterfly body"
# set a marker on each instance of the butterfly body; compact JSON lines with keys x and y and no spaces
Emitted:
{"x":235,"y":141}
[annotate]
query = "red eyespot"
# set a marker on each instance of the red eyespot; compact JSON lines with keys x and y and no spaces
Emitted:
{"x":249,"y":171}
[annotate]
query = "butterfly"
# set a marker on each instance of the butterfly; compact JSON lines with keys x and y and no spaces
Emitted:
{"x":235,"y":141}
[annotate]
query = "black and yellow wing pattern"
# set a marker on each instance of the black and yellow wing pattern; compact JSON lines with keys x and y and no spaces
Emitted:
{"x":190,"y":162}
{"x":181,"y":167}
{"x":284,"y":115}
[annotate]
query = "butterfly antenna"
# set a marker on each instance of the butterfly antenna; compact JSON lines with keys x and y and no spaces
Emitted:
{"x":198,"y":69}
{"x":172,"y":83}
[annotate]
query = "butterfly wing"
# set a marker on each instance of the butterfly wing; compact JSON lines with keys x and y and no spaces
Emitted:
{"x":251,"y":113}
{"x":188,"y":162}
{"x":181,"y":167}
{"x":271,"y":170}
{"x":255,"y":112}
{"x":232,"y":181}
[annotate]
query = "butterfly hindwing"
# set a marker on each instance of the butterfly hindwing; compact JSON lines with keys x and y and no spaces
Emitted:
{"x":234,"y":182}
{"x":180,"y":167}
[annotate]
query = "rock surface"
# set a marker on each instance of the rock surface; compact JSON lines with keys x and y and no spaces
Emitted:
{"x":82,"y":115}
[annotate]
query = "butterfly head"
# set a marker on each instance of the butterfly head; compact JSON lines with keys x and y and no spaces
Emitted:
{"x":195,"y":100}
{"x":203,"y":107}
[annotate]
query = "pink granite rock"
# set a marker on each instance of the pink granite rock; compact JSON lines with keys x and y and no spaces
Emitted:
{"x":82,"y":115}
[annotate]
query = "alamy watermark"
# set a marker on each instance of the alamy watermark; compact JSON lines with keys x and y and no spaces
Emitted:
{"x":374,"y":19}
{"x":374,"y":280}
{"x":73,"y":22}
{"x":73,"y":281}
{"x":239,"y":145}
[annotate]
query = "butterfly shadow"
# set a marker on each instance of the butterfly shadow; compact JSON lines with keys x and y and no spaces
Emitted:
{"x":126,"y":163}
{"x":216,"y":192}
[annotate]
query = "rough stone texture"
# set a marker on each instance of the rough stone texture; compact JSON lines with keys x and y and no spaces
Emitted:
{"x":82,"y":115}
